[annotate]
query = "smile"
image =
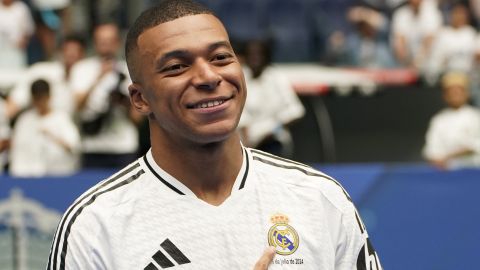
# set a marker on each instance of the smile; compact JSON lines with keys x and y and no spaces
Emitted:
{"x":207,"y":104}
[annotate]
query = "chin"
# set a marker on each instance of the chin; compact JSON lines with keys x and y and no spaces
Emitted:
{"x":216,"y":134}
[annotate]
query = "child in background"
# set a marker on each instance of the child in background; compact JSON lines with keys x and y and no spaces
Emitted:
{"x":44,"y":141}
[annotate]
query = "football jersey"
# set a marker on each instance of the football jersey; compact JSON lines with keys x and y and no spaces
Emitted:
{"x":143,"y":218}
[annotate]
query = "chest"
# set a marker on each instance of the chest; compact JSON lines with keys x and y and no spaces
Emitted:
{"x":233,"y":236}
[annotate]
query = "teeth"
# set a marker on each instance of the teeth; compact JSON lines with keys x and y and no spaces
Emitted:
{"x":209,"y":104}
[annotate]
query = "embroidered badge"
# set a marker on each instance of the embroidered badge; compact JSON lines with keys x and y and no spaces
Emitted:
{"x":282,"y":236}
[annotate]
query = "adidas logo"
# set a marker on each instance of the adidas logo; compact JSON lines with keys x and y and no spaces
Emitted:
{"x":162,"y":260}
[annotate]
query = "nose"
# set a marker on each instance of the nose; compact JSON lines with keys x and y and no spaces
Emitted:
{"x":205,"y":76}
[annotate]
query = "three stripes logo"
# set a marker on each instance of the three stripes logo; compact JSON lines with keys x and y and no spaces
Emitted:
{"x":162,"y":260}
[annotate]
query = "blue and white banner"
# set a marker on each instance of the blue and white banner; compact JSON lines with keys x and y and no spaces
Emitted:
{"x":30,"y":209}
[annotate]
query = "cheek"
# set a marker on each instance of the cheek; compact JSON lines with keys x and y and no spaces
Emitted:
{"x":234,"y":75}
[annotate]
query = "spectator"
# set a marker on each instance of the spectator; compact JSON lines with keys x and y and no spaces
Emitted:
{"x":56,"y":73}
{"x":454,"y":46}
{"x":52,"y":21}
{"x":16,"y":28}
{"x":4,"y":134}
{"x":271,"y":103}
{"x":413,"y":29}
{"x":99,"y":83}
{"x":44,"y":141}
{"x":366,"y":46}
{"x":453,"y":137}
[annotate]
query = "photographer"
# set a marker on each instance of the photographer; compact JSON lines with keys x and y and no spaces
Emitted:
{"x":106,"y":120}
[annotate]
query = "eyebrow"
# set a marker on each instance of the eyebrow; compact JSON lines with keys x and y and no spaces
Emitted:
{"x":182,"y":53}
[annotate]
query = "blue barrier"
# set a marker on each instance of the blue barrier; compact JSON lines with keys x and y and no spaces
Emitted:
{"x":417,"y":217}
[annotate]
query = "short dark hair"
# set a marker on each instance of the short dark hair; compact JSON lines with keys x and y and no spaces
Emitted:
{"x":165,"y":11}
{"x":39,"y":89}
{"x":77,"y":38}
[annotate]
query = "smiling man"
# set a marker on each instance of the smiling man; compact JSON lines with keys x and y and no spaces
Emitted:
{"x":199,"y":199}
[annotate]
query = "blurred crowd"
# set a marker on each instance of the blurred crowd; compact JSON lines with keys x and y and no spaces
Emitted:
{"x":63,"y":81}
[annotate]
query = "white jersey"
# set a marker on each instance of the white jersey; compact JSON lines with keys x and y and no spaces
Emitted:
{"x":143,"y":218}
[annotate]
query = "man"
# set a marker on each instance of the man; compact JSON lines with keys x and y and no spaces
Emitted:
{"x":16,"y":28}
{"x":198,"y":199}
{"x":107,"y":121}
{"x":453,"y":136}
{"x":264,"y":125}
{"x":412,"y":31}
{"x":56,"y":73}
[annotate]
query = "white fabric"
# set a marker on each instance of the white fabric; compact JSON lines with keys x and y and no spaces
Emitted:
{"x":54,"y":74}
{"x":35,"y":154}
{"x":4,"y":125}
{"x":119,"y":136}
{"x":51,"y":4}
{"x":122,"y":222}
{"x":452,"y":131}
{"x":415,"y":27}
{"x":16,"y":22}
{"x":453,"y":50}
{"x":271,"y":103}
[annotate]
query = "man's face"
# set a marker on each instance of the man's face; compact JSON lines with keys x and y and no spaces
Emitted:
{"x":72,"y":52}
{"x":107,"y":41}
{"x":455,"y":96}
{"x":190,"y":83}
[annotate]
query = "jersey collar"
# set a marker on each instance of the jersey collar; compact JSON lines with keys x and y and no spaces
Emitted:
{"x":178,"y":187}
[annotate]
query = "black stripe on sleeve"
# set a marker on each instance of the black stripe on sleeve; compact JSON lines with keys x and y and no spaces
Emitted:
{"x":63,"y":255}
{"x":174,"y":252}
{"x":303,"y":170}
{"x":265,"y":154}
{"x":310,"y":173}
{"x":55,"y":244}
{"x":359,"y":222}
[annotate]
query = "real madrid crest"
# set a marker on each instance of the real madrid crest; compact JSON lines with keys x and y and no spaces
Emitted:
{"x":282,"y":236}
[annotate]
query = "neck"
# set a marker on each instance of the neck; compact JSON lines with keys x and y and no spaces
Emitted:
{"x":208,"y":170}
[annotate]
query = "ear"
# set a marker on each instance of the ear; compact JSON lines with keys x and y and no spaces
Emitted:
{"x":138,"y":100}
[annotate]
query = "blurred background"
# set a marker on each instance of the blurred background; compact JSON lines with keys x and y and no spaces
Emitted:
{"x":383,"y":95}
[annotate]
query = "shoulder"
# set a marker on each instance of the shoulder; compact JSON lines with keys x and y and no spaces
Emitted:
{"x":26,"y":117}
{"x":60,"y":117}
{"x":20,"y":6}
{"x":100,"y":199}
{"x":78,"y":229}
{"x":87,"y":63}
{"x":402,"y":12}
{"x":471,"y":111}
{"x":300,"y":178}
{"x":470,"y":30}
{"x":441,"y":115}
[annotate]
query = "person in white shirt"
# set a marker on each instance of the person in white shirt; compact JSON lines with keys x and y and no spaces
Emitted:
{"x":413,"y":28}
{"x":454,"y":47}
{"x":44,"y":141}
{"x":16,"y":28}
{"x":453,"y":135}
{"x":56,"y":73}
{"x":271,"y":105}
{"x":199,"y":199}
{"x":107,"y":121}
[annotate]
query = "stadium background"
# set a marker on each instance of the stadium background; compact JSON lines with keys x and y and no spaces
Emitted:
{"x":366,"y":129}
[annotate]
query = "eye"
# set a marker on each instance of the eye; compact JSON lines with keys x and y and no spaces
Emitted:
{"x":222,"y":58}
{"x":174,"y":68}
